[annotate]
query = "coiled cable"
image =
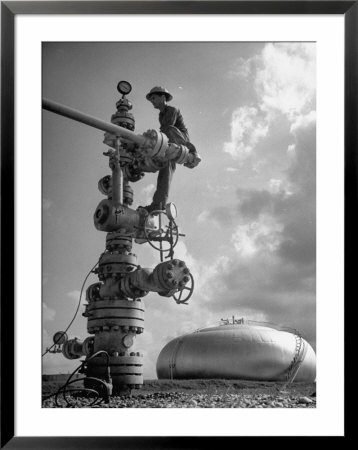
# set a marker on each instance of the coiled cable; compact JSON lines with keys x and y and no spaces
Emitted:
{"x":99,"y":397}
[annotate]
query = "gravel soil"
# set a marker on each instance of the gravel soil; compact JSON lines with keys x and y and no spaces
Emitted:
{"x":199,"y":394}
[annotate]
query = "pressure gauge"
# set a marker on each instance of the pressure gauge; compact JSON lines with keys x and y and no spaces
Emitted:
{"x":60,"y":337}
{"x":171,"y":211}
{"x":124,"y":87}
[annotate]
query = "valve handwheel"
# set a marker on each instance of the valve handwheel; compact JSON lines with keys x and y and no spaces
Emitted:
{"x":190,"y":287}
{"x":168,"y":233}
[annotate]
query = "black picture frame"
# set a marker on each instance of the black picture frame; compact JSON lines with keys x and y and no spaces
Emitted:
{"x":9,"y":10}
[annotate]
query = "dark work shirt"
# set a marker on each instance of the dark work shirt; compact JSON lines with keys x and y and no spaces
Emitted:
{"x":171,"y":116}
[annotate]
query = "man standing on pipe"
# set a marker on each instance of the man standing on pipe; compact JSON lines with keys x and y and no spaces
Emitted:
{"x":172,"y":125}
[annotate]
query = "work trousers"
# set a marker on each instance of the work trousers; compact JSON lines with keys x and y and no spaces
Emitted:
{"x":165,"y":174}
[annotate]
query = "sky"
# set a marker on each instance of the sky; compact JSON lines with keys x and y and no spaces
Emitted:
{"x":248,"y":211}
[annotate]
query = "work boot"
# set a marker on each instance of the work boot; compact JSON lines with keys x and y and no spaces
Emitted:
{"x":191,"y":147}
{"x":195,"y":156}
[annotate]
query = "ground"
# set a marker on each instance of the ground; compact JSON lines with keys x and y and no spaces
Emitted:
{"x":194,"y":394}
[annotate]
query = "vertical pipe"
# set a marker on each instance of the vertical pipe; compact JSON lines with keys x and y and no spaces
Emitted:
{"x":160,"y":242}
{"x":117,"y":180}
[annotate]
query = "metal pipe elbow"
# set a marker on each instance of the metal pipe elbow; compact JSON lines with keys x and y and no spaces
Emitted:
{"x":166,"y":278}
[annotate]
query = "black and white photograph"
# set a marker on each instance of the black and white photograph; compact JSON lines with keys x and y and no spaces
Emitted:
{"x":179,"y":224}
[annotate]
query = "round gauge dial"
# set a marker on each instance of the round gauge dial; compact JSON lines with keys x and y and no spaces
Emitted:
{"x":124,"y":87}
{"x":171,"y":211}
{"x":127,"y":340}
{"x":60,"y":337}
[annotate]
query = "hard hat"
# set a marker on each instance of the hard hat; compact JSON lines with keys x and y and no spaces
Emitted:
{"x":160,"y":90}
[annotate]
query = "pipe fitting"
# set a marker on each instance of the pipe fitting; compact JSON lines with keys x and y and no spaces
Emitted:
{"x":164,"y":278}
{"x":74,"y":348}
{"x":117,"y":240}
{"x":177,"y":153}
{"x":105,"y":219}
{"x":156,"y":144}
{"x":105,"y":185}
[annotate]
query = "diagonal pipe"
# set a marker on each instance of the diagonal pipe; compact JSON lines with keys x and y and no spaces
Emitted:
{"x":79,"y":116}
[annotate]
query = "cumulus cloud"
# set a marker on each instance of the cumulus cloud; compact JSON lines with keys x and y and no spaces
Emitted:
{"x":275,"y":185}
{"x":256,"y":237}
{"x":270,"y":264}
{"x":303,"y":121}
{"x":147,"y":193}
{"x":248,"y":126}
{"x":284,"y":79}
{"x":302,"y":171}
{"x":262,"y":288}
